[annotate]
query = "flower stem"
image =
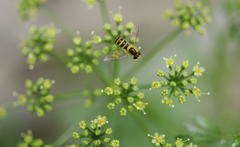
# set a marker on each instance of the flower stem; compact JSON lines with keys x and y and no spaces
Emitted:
{"x":144,"y":86}
{"x":59,"y":57}
{"x":58,"y":21}
{"x":153,"y":52}
{"x":141,"y":124}
{"x":104,"y":12}
{"x":68,"y":95}
{"x":115,"y":69}
{"x":101,"y":76}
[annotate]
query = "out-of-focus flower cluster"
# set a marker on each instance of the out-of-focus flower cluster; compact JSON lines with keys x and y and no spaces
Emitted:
{"x":39,"y":44}
{"x":29,"y":141}
{"x":37,"y":96}
{"x":94,"y":134}
{"x":82,"y":58}
{"x":189,"y":15}
{"x":178,"y":81}
{"x":158,"y":140}
{"x":29,"y":8}
{"x":124,"y":97}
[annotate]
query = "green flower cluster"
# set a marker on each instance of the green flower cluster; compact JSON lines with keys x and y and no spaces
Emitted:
{"x":112,"y":34}
{"x":94,"y":133}
{"x":123,"y":94}
{"x":29,"y":141}
{"x":39,"y":44}
{"x":177,"y":81}
{"x":188,"y":16}
{"x":29,"y":8}
{"x":38,"y":96}
{"x":159,"y":140}
{"x":82,"y":59}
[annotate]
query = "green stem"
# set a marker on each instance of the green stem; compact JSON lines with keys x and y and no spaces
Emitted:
{"x":58,"y":21}
{"x":68,"y":95}
{"x":68,"y":133}
{"x":141,"y":124}
{"x":10,"y":107}
{"x":144,"y":86}
{"x":153,"y":52}
{"x":104,"y":12}
{"x":59,"y":57}
{"x":101,"y":76}
{"x":115,"y":69}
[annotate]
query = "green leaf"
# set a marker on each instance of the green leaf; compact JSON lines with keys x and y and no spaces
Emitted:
{"x":207,"y":124}
{"x":236,"y":142}
{"x":193,"y":129}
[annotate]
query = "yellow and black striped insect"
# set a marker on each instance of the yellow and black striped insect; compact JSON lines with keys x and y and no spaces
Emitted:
{"x":131,"y":49}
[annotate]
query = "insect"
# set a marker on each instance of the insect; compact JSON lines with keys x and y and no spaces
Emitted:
{"x":130,"y":49}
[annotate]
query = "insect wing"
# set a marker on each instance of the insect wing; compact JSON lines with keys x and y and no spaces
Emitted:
{"x":114,"y":55}
{"x":134,"y":34}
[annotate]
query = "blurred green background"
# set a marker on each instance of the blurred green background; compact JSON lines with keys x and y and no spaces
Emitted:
{"x":218,"y":51}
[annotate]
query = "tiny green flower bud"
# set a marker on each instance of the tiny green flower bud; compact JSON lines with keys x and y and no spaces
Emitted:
{"x":181,"y":99}
{"x":108,"y":131}
{"x":82,"y":125}
{"x":133,"y":81}
{"x":156,"y":84}
{"x":176,"y":23}
{"x":37,"y":143}
{"x":88,"y":68}
{"x":168,"y":14}
{"x":118,"y":101}
{"x":48,"y":47}
{"x":184,"y":83}
{"x":108,"y":38}
{"x":120,"y":28}
{"x":173,"y":84}
{"x":129,"y":26}
{"x":88,"y":44}
{"x":140,"y":106}
{"x":126,"y":34}
{"x":77,"y":40}
{"x":116,"y":92}
{"x":43,"y":57}
{"x":97,"y":142}
{"x":184,"y":74}
{"x":22,"y":99}
{"x":98,"y":132}
{"x":25,"y":51}
{"x":135,"y":88}
{"x":106,"y":140}
{"x":130,"y":99}
{"x":185,"y":25}
{"x":76,"y":59}
{"x":85,"y":133}
{"x":164,"y":83}
{"x":168,"y":145}
{"x":193,"y":21}
{"x":198,"y":5}
{"x":176,"y":93}
{"x":47,"y":84}
{"x":96,"y":39}
{"x":81,"y":66}
{"x":107,"y":27}
{"x":186,"y":92}
{"x":88,"y":103}
{"x":114,"y":33}
{"x":31,"y":59}
{"x":28,"y":138}
{"x":76,"y":135}
{"x":193,"y":81}
{"x":114,"y":143}
{"x":130,"y":108}
{"x":85,"y":142}
{"x":177,"y":69}
{"x":40,"y":112}
{"x":48,"y":107}
{"x":114,"y":46}
{"x":93,"y":125}
{"x":167,"y":101}
{"x":3,"y":112}
{"x":160,"y":73}
{"x":140,"y":95}
{"x":165,"y":92}
{"x":108,"y":91}
{"x":111,"y":106}
{"x":49,"y":98}
{"x":179,"y":142}
{"x":171,"y":73}
{"x":117,"y":81}
{"x":123,"y":111}
{"x":125,"y":85}
{"x":75,"y":69}
{"x":117,"y":17}
{"x":95,"y":61}
{"x":78,"y":50}
{"x":70,"y":52}
{"x":185,"y":64}
{"x":196,"y":92}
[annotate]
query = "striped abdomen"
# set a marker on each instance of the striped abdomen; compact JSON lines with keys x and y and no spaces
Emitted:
{"x":122,"y":43}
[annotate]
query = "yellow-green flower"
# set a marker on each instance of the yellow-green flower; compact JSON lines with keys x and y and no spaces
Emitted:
{"x":198,"y":70}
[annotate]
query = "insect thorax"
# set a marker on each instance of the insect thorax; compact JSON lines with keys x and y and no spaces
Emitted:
{"x":132,"y":51}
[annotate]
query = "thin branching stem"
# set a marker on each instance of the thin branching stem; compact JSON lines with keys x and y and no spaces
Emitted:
{"x":153,"y":52}
{"x":104,"y":12}
{"x":59,"y":57}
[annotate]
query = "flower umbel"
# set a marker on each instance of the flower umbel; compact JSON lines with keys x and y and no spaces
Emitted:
{"x":178,"y":81}
{"x":124,"y":95}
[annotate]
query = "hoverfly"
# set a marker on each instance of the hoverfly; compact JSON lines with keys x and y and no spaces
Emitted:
{"x":130,"y":49}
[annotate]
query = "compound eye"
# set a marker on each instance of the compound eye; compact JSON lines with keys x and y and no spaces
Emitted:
{"x":139,"y":53}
